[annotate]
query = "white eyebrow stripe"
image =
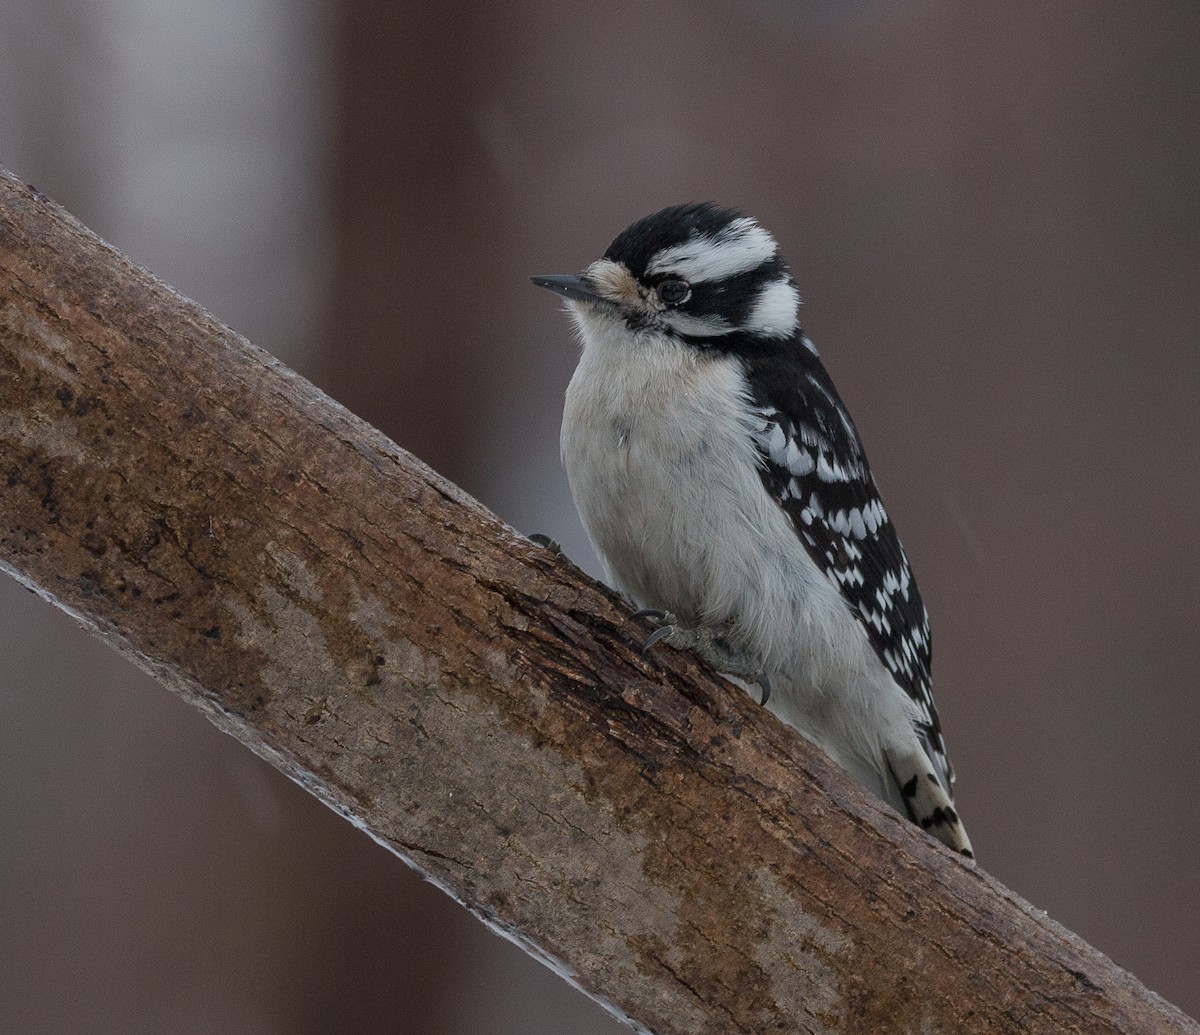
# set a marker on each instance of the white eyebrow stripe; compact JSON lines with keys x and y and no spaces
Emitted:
{"x":773,"y":314}
{"x":741,"y":246}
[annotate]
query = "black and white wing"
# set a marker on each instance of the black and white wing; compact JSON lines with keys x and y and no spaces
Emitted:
{"x":813,"y":464}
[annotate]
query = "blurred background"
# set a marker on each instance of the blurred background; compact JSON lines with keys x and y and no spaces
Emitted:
{"x":993,"y":212}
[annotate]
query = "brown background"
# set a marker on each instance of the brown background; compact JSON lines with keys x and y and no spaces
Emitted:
{"x":994,"y":213}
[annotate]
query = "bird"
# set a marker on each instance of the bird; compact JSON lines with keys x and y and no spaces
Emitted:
{"x":725,"y":489}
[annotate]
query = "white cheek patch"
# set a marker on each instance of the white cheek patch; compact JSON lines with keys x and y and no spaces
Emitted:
{"x":697,"y":326}
{"x":743,"y":245}
{"x":773,"y":314}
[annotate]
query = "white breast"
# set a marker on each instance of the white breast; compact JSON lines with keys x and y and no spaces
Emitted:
{"x":647,"y":428}
{"x":656,"y":440}
{"x":657,"y":446}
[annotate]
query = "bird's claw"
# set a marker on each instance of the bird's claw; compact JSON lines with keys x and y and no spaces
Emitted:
{"x":657,"y":613}
{"x":547,"y":542}
{"x":666,"y":625}
{"x":762,"y":680}
{"x":658,"y":635}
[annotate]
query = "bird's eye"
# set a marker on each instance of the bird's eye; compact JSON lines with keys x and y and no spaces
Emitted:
{"x":673,"y":290}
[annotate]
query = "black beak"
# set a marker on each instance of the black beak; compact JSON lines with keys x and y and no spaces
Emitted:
{"x":578,"y":288}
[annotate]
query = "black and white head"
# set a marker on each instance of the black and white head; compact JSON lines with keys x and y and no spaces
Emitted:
{"x":702,"y":275}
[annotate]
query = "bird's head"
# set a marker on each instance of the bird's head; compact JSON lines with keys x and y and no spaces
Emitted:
{"x":703,"y":275}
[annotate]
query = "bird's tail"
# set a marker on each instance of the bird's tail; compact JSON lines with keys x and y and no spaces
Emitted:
{"x":927,"y":801}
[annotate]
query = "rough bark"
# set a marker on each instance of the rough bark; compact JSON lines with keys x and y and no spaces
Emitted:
{"x":471,"y":700}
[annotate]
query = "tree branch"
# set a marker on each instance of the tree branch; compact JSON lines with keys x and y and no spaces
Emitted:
{"x":470,"y":700}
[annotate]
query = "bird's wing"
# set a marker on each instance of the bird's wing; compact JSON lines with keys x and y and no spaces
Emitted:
{"x":813,"y":465}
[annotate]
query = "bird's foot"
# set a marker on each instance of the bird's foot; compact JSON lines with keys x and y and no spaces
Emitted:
{"x":711,"y":644}
{"x":545,"y":541}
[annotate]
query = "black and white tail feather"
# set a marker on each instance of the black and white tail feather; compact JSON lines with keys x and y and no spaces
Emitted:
{"x":721,"y":479}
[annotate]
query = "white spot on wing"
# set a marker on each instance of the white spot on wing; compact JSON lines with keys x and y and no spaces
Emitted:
{"x":830,"y":471}
{"x":870,"y":517}
{"x":776,"y":444}
{"x":799,"y":461}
